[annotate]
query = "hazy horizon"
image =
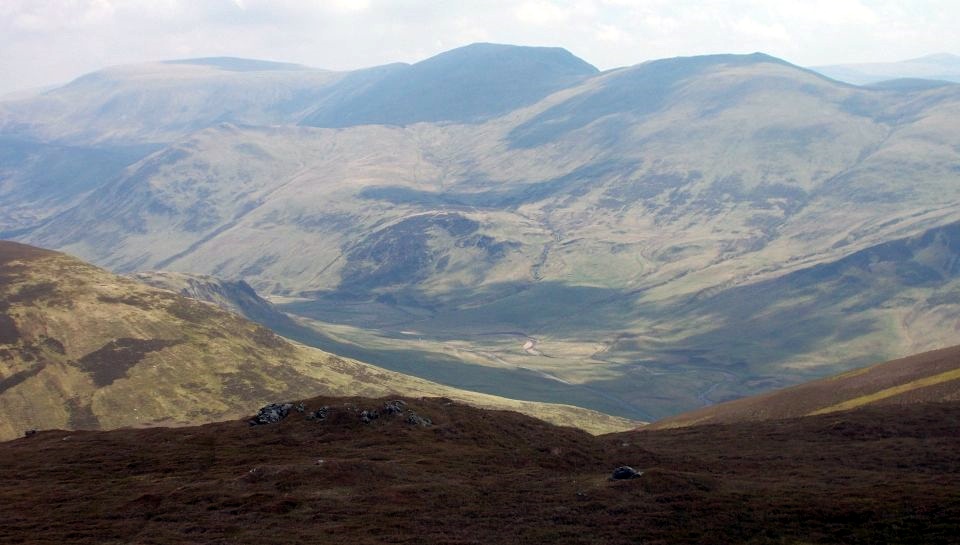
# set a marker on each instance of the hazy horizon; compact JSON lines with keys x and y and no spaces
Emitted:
{"x":54,"y":41}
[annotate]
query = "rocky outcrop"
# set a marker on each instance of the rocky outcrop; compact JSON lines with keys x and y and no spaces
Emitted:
{"x":271,"y":414}
{"x":275,"y":412}
{"x":625,"y":472}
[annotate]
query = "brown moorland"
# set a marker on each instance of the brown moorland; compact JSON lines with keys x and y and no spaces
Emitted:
{"x":884,"y":474}
{"x":928,"y":377}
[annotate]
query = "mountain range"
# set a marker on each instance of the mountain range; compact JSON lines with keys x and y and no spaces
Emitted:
{"x":922,"y":71}
{"x":644,"y":240}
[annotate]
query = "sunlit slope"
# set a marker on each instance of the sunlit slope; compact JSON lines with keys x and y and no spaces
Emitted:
{"x":83,"y":348}
{"x":928,"y":377}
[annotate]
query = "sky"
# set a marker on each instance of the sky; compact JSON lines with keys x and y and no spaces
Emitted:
{"x":45,"y":42}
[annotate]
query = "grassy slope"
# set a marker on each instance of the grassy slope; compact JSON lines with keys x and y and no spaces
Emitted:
{"x":923,"y":378}
{"x":83,"y":348}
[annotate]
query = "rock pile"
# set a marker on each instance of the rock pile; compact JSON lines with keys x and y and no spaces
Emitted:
{"x":417,"y":420}
{"x":275,"y":412}
{"x":271,"y":414}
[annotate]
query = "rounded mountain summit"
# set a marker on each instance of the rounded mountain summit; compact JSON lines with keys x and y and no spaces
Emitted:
{"x":467,"y":84}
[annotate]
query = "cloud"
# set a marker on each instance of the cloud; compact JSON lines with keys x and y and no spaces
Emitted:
{"x":613,"y":34}
{"x":761,"y":32}
{"x":542,"y":12}
{"x":45,"y":41}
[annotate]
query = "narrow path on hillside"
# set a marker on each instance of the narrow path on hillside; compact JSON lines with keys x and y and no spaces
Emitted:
{"x":703,"y":396}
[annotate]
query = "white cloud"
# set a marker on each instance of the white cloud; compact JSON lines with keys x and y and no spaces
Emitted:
{"x":760,"y":32}
{"x":612,"y":34}
{"x":347,"y":5}
{"x":44,"y":41}
{"x":542,"y":12}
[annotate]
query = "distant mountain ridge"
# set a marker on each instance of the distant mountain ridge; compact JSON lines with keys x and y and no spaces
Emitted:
{"x":162,"y":101}
{"x":236,"y":64}
{"x":939,"y":66}
{"x":582,"y":226}
{"x":469,"y":84}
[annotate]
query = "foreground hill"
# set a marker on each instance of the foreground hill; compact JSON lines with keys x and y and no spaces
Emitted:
{"x":878,"y":475}
{"x":81,"y":348}
{"x":923,"y":378}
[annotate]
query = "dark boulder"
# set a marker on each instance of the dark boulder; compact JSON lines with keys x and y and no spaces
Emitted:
{"x":369,"y":416}
{"x":271,"y":414}
{"x":394,"y":407}
{"x":417,"y":420}
{"x":625,"y":472}
{"x":320,"y":414}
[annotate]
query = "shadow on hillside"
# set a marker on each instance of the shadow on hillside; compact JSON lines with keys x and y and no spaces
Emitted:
{"x":513,"y":383}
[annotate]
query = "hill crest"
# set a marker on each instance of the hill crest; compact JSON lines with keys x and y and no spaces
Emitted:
{"x":923,"y":378}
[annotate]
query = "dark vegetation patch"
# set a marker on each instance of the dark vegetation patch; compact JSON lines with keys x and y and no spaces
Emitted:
{"x":14,"y":251}
{"x":9,"y":334}
{"x":505,"y":195}
{"x":53,"y":345}
{"x":145,"y":302}
{"x":112,"y":361}
{"x":17,"y":378}
{"x":81,"y":415}
{"x":265,"y":337}
{"x":194,"y":311}
{"x":401,"y":253}
{"x":31,"y":293}
{"x":793,"y":138}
